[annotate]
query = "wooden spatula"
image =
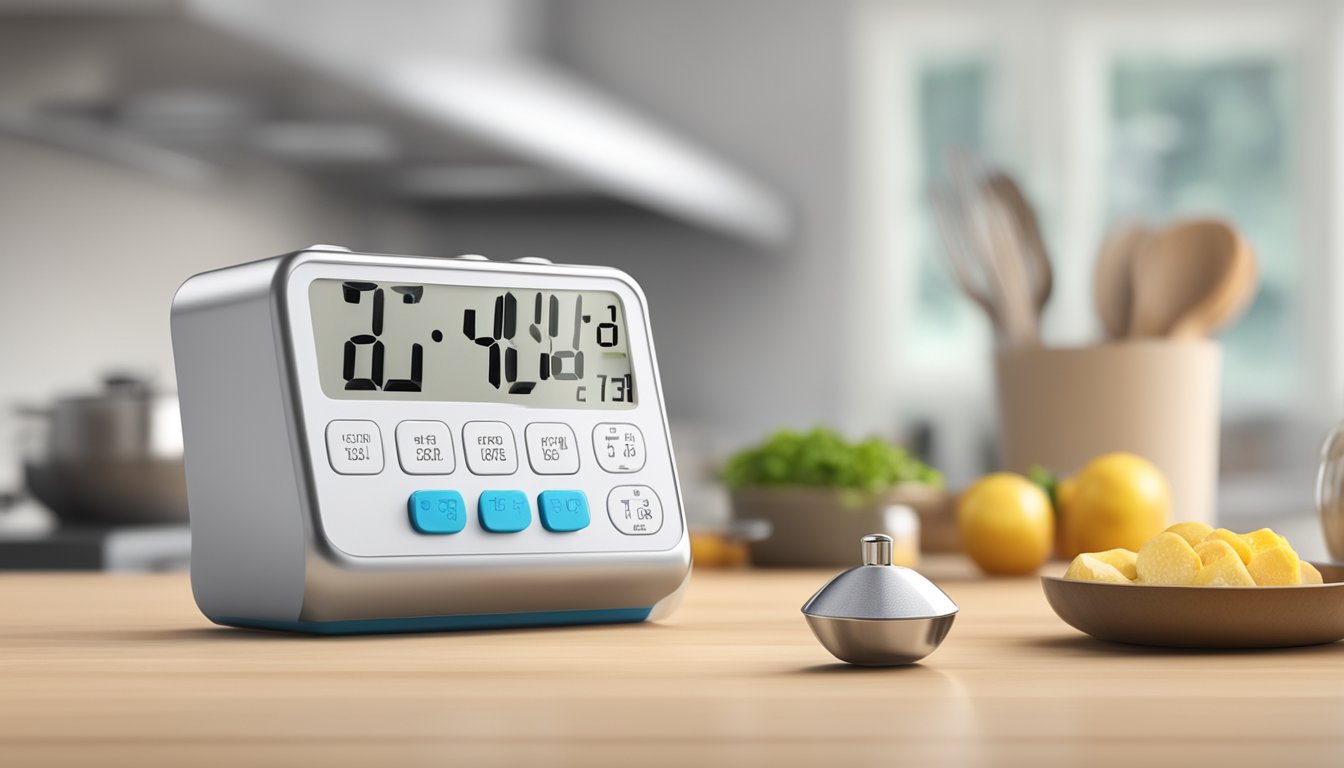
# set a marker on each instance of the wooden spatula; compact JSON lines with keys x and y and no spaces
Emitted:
{"x":1191,"y":280}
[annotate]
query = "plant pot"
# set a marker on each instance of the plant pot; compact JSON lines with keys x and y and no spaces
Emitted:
{"x":817,"y":527}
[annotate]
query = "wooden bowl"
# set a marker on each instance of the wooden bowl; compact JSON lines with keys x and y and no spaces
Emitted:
{"x":1204,"y":617}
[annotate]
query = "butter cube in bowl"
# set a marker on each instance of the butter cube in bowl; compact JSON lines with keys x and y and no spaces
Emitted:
{"x":1187,"y":589}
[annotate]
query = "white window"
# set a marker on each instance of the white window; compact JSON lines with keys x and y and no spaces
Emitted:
{"x":1106,"y":111}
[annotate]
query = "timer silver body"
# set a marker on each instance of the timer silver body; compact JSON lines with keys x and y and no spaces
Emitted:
{"x":281,"y":540}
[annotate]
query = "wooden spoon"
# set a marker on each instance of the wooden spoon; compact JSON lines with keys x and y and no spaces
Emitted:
{"x":1191,"y":280}
{"x":1224,"y":307}
{"x":1112,"y":289}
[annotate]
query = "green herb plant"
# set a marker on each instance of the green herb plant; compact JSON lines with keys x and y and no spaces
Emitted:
{"x":823,"y":458}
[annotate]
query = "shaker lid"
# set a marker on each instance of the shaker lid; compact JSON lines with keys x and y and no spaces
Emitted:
{"x":879,"y":590}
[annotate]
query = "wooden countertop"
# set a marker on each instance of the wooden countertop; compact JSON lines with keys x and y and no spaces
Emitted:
{"x":102,"y":670}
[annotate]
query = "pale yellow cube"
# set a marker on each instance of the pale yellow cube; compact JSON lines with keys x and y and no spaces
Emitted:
{"x":1193,"y":531}
{"x":1122,"y":559}
{"x":1263,"y":540}
{"x":1309,"y":574}
{"x":1216,"y":549}
{"x":1276,"y":567}
{"x":1225,"y":571}
{"x":1167,"y":559}
{"x":1233,"y":540}
{"x":1087,"y":567}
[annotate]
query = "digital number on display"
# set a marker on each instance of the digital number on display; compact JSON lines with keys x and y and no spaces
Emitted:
{"x":550,"y":349}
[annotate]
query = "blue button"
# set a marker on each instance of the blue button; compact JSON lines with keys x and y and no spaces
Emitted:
{"x":563,"y":511}
{"x":437,"y":511}
{"x":505,"y":511}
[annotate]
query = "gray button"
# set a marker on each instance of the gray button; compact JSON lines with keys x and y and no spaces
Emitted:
{"x":355,"y":447}
{"x":425,"y":448}
{"x":489,"y":448}
{"x":619,"y":447}
{"x":551,"y":448}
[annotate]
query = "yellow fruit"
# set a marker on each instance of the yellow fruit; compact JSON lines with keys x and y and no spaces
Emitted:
{"x":1263,"y":539}
{"x":1220,"y":559}
{"x":1309,"y":574}
{"x":1092,"y":568}
{"x":1192,"y":531}
{"x":1006,"y":524}
{"x":1226,"y":571}
{"x":1216,"y":549}
{"x":1167,"y":559}
{"x":1117,"y":500}
{"x":1233,"y":540}
{"x":1277,"y":567}
{"x":1121,"y":559}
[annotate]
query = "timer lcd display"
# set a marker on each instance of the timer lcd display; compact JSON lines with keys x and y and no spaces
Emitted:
{"x":547,"y":349}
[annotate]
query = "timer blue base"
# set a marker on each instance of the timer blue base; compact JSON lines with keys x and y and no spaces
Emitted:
{"x":445,"y":623}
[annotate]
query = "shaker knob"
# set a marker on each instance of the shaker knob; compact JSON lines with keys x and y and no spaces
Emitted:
{"x":877,"y":549}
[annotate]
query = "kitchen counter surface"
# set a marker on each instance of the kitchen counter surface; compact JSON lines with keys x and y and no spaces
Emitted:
{"x":122,"y":670}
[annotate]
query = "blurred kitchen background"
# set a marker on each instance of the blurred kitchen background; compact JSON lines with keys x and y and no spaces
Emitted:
{"x":760,"y":166}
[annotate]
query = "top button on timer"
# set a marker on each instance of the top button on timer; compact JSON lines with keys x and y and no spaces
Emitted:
{"x":489,"y":448}
{"x":552,"y":449}
{"x":619,"y":447}
{"x":355,"y":447}
{"x":425,"y":448}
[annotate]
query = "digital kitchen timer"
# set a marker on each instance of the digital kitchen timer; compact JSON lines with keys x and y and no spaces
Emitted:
{"x":392,"y":443}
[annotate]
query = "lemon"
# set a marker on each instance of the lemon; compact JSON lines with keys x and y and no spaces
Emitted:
{"x":1006,"y":524}
{"x":1118,"y":500}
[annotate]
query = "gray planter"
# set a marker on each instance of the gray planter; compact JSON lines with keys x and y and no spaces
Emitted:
{"x":820,"y":527}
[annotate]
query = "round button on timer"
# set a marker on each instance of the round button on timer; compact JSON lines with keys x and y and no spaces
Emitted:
{"x":635,"y":510}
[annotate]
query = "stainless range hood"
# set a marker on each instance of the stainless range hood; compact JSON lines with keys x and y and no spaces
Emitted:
{"x":423,"y":99}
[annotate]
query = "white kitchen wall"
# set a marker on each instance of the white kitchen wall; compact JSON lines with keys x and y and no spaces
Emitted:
{"x":91,"y":253}
{"x":747,"y":339}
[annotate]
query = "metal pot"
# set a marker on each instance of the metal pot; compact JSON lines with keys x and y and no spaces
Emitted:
{"x":113,"y":457}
